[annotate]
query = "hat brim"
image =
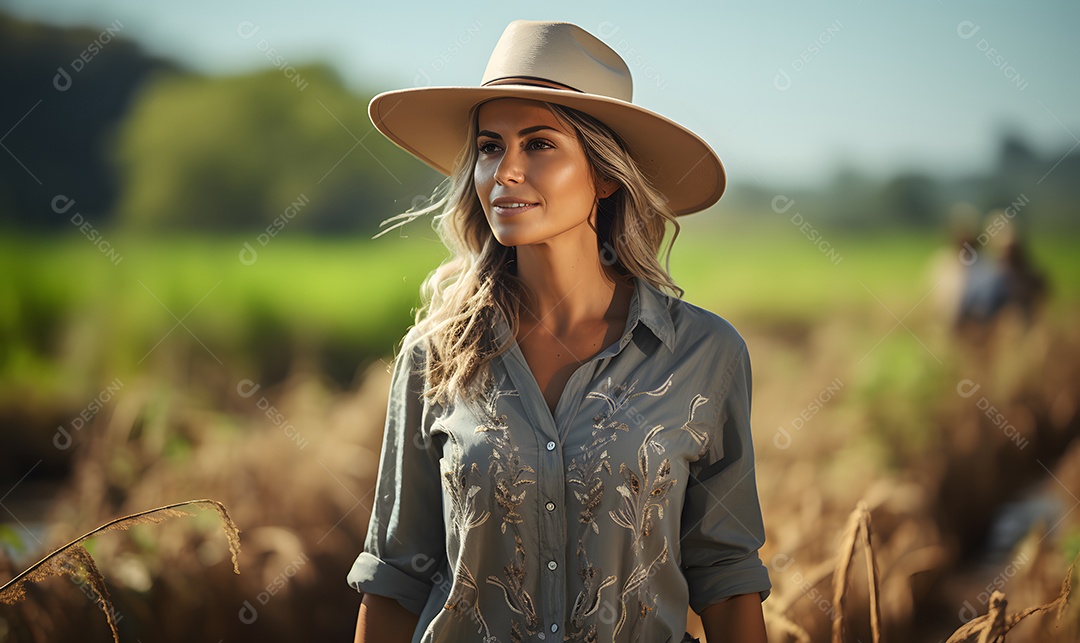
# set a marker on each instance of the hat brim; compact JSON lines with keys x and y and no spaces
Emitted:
{"x":431,"y":124}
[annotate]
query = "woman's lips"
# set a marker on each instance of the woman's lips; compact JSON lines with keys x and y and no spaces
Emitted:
{"x":508,"y":211}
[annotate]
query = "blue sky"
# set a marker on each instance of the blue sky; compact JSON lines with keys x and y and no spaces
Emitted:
{"x":785,"y":92}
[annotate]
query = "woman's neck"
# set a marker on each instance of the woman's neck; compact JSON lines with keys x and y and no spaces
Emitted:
{"x":570,"y":288}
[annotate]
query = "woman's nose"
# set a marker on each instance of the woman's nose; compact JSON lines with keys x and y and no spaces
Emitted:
{"x":510,"y":168}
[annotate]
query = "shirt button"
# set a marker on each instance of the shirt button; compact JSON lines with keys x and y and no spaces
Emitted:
{"x":552,"y":565}
{"x":554,"y":627}
{"x":550,"y":446}
{"x":550,"y":506}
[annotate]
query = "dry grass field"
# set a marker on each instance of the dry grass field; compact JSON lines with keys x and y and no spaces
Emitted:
{"x":953,"y":460}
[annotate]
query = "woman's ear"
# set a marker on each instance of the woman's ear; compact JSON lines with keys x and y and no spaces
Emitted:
{"x":607,"y":188}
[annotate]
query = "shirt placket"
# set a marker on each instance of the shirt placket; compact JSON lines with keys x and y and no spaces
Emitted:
{"x":551,"y":487}
{"x":551,"y":471}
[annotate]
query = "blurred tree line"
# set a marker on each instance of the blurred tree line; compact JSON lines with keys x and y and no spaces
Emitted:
{"x":57,"y":132}
{"x":139,"y":143}
{"x":1048,"y":186}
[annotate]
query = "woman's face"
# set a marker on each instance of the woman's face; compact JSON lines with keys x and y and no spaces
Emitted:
{"x":526,"y":156}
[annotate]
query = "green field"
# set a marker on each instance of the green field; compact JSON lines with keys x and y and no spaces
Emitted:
{"x":72,"y":315}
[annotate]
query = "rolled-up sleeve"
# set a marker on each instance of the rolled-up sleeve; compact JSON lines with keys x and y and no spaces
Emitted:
{"x":405,"y":544}
{"x":722,"y":526}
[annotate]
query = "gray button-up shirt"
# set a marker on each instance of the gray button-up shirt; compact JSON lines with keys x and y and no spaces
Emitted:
{"x":495,"y":521}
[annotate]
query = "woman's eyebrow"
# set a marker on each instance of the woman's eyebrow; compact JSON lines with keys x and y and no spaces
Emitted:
{"x":527,"y":130}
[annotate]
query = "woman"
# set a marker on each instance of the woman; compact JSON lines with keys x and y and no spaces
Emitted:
{"x":567,"y":453}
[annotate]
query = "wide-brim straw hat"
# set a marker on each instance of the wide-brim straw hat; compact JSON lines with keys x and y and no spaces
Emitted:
{"x":561,"y":63}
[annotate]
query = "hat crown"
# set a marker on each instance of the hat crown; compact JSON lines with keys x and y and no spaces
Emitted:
{"x":562,"y":53}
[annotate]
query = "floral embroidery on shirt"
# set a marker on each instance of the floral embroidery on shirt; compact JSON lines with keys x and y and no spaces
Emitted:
{"x":461,"y":485}
{"x":587,"y":602}
{"x":642,"y":497}
{"x":635,"y":584}
{"x":460,"y":607}
{"x":462,"y":489}
{"x":509,"y":471}
{"x":517,"y":597}
{"x":585,"y":473}
{"x":506,"y":468}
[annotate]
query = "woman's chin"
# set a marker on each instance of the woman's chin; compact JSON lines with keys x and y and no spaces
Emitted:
{"x":513,"y":238}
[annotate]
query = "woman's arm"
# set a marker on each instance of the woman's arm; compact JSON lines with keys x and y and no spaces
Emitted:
{"x":384,"y":619}
{"x":738,"y":618}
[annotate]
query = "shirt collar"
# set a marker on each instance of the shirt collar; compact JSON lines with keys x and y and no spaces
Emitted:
{"x":652,"y":307}
{"x":648,"y":305}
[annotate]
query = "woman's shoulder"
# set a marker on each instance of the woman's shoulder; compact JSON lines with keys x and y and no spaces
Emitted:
{"x":410,"y":340}
{"x":413,"y":348}
{"x":696,"y":325}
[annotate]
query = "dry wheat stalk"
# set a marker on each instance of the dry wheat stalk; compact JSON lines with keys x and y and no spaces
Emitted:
{"x":73,"y":558}
{"x":995,"y":618}
{"x":858,"y":523}
{"x":843,"y":565}
{"x":873,"y":578}
{"x":994,"y":632}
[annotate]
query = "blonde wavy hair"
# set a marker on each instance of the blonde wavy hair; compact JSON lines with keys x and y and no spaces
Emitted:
{"x":461,"y":296}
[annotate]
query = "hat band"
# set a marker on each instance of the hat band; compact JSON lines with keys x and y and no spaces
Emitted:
{"x":530,"y":80}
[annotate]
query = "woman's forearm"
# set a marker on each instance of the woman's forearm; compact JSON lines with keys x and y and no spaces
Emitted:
{"x":384,"y":619}
{"x":738,"y":618}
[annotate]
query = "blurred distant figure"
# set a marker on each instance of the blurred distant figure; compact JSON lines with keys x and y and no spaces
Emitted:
{"x":949,"y":268}
{"x":984,"y":287}
{"x":1026,"y":287}
{"x":985,"y":273}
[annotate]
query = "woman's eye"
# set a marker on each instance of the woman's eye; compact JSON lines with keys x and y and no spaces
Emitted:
{"x":538,"y":143}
